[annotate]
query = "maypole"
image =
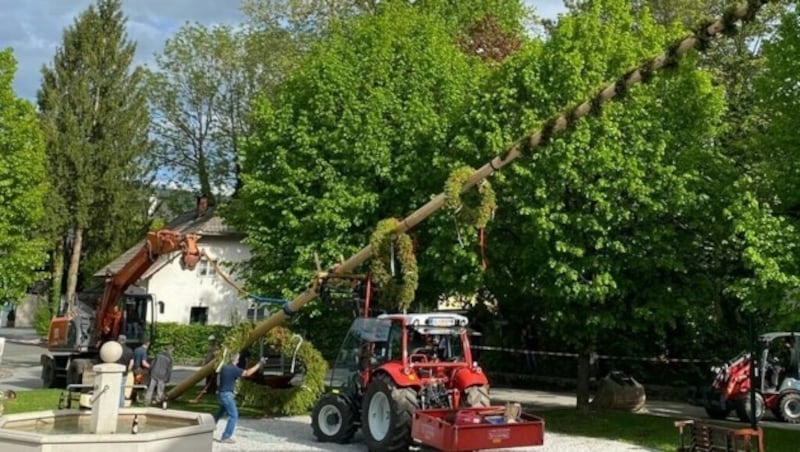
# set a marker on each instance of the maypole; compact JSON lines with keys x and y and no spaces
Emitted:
{"x":743,"y":11}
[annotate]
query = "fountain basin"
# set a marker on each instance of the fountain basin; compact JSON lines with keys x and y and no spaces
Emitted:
{"x":69,"y":431}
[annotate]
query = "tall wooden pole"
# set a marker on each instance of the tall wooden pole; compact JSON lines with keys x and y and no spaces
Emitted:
{"x":743,"y":11}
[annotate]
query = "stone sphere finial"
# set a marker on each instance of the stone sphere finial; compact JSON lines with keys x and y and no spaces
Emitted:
{"x":110,"y":352}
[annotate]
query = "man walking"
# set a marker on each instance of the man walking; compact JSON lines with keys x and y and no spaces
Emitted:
{"x":227,"y":402}
{"x":160,"y":374}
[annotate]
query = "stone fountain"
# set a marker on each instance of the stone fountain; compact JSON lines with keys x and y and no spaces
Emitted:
{"x":107,"y":426}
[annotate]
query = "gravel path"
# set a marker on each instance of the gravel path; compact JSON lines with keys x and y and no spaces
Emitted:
{"x":294,"y":434}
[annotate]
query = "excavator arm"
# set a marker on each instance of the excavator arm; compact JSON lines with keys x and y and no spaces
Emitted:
{"x":108,"y":318}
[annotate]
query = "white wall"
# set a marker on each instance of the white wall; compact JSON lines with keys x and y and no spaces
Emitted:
{"x":180,"y":289}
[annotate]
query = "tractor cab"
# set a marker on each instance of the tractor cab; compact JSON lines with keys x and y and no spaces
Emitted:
{"x":779,"y":362}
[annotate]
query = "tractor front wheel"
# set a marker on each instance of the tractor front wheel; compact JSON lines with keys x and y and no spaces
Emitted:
{"x":744,"y":409}
{"x":332,"y":419}
{"x":789,"y":408}
{"x":386,"y":415}
{"x":476,"y":397}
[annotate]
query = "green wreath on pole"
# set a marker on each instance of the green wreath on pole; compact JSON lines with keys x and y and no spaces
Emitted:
{"x":386,"y":247}
{"x":477,"y":216}
{"x":291,"y":401}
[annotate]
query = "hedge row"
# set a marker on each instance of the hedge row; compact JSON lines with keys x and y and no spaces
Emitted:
{"x":190,"y":341}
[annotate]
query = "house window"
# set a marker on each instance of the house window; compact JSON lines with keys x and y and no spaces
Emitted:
{"x":205,"y":268}
{"x":161,"y":307}
{"x":198,"y":315}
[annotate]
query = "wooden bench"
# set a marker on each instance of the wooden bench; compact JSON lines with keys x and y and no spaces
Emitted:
{"x":700,"y":436}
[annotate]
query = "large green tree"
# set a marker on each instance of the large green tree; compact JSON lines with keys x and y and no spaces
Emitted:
{"x":634,"y":220}
{"x":355,"y":135}
{"x":94,"y":114}
{"x":23,"y":187}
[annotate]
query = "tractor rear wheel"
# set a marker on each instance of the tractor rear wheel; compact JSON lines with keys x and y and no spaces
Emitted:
{"x":744,"y":408}
{"x":476,"y":397}
{"x":789,"y":408}
{"x":386,"y":415}
{"x":332,"y":419}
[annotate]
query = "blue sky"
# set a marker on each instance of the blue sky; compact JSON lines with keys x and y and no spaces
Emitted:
{"x":33,"y":28}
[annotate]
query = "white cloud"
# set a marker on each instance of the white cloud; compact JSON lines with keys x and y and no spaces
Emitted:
{"x":33,"y":28}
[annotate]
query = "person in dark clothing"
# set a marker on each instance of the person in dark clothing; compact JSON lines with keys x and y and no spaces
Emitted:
{"x":227,"y":402}
{"x":126,"y":359}
{"x":160,"y":374}
{"x":140,"y":363}
{"x":12,"y":318}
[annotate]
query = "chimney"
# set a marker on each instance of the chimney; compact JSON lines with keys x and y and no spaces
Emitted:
{"x":202,"y":205}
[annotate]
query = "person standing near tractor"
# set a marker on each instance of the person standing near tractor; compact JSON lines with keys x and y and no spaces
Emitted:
{"x":228,"y":375}
{"x":160,"y":374}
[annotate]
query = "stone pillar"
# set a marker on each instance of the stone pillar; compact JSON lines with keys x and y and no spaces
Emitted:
{"x":107,"y":386}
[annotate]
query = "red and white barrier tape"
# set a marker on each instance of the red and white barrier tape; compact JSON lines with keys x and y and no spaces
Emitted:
{"x":657,"y":359}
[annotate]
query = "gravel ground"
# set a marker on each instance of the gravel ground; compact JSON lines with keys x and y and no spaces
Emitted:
{"x":294,"y":434}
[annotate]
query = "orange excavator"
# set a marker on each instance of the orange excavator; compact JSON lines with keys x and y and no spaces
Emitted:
{"x":95,"y":317}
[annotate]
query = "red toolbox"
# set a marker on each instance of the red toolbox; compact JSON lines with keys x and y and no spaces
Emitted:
{"x":475,"y":429}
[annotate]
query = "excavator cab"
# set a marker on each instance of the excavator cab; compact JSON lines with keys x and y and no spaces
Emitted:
{"x":138,"y":318}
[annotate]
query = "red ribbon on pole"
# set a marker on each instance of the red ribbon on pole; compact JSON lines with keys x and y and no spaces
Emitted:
{"x":482,"y":246}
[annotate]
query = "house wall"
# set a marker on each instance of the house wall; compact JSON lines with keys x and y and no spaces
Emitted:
{"x":180,"y":289}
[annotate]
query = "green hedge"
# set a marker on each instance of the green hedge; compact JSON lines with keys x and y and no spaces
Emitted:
{"x":190,"y":341}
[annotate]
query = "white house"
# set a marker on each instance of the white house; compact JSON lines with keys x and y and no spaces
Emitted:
{"x":194,"y":296}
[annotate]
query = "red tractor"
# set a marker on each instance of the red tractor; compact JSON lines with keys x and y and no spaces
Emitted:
{"x":391,"y":365}
{"x":777,"y":382}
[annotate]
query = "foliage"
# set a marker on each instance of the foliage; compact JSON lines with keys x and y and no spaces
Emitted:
{"x":353,"y":136}
{"x":291,"y":401}
{"x":95,"y":120}
{"x":200,"y":93}
{"x":778,"y":91}
{"x":41,"y":317}
{"x":23,"y":187}
{"x":190,"y":341}
{"x":386,"y":246}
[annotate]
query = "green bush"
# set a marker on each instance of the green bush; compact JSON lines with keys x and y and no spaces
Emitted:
{"x":190,"y":341}
{"x":42,"y":317}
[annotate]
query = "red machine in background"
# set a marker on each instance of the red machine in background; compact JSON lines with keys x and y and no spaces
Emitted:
{"x":74,"y":339}
{"x":777,"y":382}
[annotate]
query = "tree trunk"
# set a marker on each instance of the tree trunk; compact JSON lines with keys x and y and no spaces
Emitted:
{"x":204,"y":177}
{"x":583,"y":383}
{"x":57,"y":276}
{"x":74,"y":264}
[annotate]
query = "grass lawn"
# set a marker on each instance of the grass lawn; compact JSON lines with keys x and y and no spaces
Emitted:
{"x":654,"y":432}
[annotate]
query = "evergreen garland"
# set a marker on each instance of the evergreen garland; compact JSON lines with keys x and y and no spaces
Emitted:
{"x":279,"y":401}
{"x":382,"y":241}
{"x":475,"y":216}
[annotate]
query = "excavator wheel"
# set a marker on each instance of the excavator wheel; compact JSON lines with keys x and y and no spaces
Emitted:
{"x":48,"y":373}
{"x":386,"y":415}
{"x":476,"y":397}
{"x":332,"y":419}
{"x":789,"y":408}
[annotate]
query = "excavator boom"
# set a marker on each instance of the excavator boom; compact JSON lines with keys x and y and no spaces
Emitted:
{"x":108,"y":319}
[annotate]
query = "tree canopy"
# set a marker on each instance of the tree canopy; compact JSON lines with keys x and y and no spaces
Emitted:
{"x":22,"y":190}
{"x":94,"y":115}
